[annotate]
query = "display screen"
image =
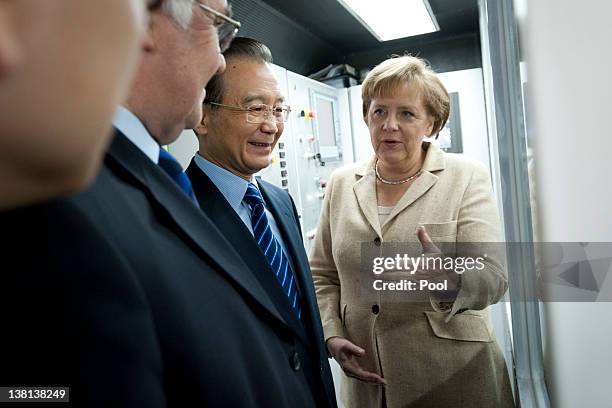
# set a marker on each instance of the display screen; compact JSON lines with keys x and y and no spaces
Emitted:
{"x":326,"y":127}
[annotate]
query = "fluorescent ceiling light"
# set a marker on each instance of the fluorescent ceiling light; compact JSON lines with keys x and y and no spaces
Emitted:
{"x":391,"y":19}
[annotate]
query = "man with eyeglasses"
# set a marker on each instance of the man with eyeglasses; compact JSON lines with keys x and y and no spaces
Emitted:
{"x":190,"y":327}
{"x":244,"y":117}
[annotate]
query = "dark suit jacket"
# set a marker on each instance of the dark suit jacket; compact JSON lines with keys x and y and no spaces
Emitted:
{"x":167,"y":313}
{"x":220,"y":339}
{"x":72,"y":312}
{"x":308,"y":329}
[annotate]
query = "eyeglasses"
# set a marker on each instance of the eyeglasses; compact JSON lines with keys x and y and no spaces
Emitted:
{"x":227,"y":27}
{"x":259,"y":113}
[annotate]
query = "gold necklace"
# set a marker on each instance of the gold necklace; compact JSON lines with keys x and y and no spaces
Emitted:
{"x":395,"y":182}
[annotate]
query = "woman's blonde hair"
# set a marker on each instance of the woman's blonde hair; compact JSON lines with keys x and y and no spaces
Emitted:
{"x":391,"y":74}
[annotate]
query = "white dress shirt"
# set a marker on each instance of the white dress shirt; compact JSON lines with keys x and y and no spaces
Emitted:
{"x":233,"y":189}
{"x":128,"y":124}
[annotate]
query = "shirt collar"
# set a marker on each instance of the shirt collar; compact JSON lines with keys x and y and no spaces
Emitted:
{"x":231,"y":186}
{"x":129,"y":124}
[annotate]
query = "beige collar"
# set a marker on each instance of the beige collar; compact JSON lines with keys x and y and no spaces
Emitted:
{"x":365,"y":187}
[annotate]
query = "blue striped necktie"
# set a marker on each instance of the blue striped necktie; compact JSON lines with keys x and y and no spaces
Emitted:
{"x":271,"y":248}
{"x":172,"y":167}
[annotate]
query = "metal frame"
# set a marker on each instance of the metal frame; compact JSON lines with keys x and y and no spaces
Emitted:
{"x":314,"y":96}
{"x":503,"y":91}
{"x":454,"y":125}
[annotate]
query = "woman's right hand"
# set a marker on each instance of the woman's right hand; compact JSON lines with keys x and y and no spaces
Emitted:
{"x":347,"y":355}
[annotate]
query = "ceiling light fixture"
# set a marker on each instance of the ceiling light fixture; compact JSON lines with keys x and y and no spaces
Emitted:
{"x":392,"y":19}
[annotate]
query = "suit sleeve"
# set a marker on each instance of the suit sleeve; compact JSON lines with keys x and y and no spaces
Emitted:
{"x":478,"y":233}
{"x":325,"y":273}
{"x":77,"y":316}
{"x":119,"y":349}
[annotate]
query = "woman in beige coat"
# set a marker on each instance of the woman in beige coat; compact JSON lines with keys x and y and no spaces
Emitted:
{"x":402,"y":348}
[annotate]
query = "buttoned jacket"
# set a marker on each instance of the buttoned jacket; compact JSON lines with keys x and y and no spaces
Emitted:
{"x":431,"y":353}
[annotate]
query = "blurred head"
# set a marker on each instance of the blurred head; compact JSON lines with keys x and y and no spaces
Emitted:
{"x":183,"y":55}
{"x":403,"y":101}
{"x":64,"y":67}
{"x":243,"y":112}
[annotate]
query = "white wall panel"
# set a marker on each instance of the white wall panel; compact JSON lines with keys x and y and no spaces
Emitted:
{"x":570,"y":84}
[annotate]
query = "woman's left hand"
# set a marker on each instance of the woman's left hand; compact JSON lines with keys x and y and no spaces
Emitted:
{"x":430,"y":250}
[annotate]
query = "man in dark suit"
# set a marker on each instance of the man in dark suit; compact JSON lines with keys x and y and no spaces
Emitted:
{"x":77,"y":59}
{"x":221,"y":340}
{"x":243,"y":119}
{"x":168,"y":313}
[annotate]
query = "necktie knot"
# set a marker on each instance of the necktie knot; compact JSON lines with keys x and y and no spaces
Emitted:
{"x":173,"y":169}
{"x":169,"y":164}
{"x":252,"y":196}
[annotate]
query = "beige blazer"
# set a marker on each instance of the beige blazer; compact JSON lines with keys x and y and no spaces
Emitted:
{"x":431,"y":354}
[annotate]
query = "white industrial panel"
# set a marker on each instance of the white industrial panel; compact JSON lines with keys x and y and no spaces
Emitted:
{"x":315,"y":156}
{"x":570,"y":83}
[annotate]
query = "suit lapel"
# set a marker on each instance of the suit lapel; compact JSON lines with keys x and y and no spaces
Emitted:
{"x":126,"y":157}
{"x":282,"y":209}
{"x":284,"y":220}
{"x":365,"y":187}
{"x":434,"y":161}
{"x":419,"y":187}
{"x":283,"y":214}
{"x":214,"y":204}
{"x":365,"y":192}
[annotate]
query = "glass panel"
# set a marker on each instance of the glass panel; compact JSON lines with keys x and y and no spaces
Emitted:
{"x":512,"y":166}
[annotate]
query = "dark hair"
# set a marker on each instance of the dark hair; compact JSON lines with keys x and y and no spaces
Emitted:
{"x":241,"y":47}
